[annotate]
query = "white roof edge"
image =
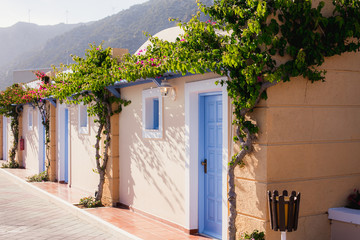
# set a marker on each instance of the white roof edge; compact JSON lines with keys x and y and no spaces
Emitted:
{"x":168,"y":34}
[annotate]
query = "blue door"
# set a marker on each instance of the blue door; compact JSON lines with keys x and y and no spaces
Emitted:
{"x":66,"y":152}
{"x":210,"y":165}
{"x":43,"y":147}
{"x":5,"y":150}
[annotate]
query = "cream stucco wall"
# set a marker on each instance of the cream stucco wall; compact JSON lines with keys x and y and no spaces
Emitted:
{"x":152,"y":171}
{"x":82,"y":154}
{"x":30,"y":153}
{"x":309,"y":142}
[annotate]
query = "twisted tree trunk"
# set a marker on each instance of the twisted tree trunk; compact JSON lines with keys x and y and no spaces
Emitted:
{"x":45,"y":120}
{"x":15,"y":131}
{"x":104,"y":128}
{"x":246,"y":146}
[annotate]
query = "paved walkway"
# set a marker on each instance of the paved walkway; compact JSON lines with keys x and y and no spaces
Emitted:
{"x":59,"y":199}
{"x":25,"y":215}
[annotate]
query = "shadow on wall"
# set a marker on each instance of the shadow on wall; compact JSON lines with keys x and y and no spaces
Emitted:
{"x":33,"y":141}
{"x":85,"y":139}
{"x":82,"y":152}
{"x":159,"y":161}
{"x":251,"y":189}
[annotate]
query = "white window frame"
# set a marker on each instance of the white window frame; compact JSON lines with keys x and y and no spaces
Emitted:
{"x":30,"y":116}
{"x":83,"y":129}
{"x":147,"y":112}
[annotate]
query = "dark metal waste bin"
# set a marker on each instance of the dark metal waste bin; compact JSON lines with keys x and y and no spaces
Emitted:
{"x":284,"y":211}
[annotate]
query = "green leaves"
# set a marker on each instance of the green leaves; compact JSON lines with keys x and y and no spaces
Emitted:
{"x":252,"y":43}
{"x":257,"y":34}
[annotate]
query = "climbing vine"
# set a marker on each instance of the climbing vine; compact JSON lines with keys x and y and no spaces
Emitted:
{"x":86,"y":84}
{"x":255,"y":45}
{"x":14,"y":126}
{"x":11,"y":106}
{"x":35,"y":97}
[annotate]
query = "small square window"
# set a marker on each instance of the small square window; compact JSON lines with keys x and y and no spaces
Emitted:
{"x":30,"y":119}
{"x":152,"y":113}
{"x":83,"y":119}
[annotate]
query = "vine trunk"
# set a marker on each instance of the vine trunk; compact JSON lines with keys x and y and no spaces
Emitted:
{"x":104,"y":128}
{"x":15,"y":132}
{"x":45,"y":120}
{"x":246,"y":139}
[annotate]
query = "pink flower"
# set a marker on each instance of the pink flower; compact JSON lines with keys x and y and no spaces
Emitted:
{"x":182,"y":40}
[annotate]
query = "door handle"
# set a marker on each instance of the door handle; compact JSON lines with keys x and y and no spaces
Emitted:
{"x":204,"y":163}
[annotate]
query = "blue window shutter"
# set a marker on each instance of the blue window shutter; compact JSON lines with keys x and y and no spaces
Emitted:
{"x":156,"y":113}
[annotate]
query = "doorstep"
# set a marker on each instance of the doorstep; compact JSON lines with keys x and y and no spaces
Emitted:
{"x":122,"y":223}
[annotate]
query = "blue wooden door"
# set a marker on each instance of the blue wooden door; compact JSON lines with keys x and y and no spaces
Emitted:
{"x":210,"y":165}
{"x":66,"y":143}
{"x":5,"y":150}
{"x":43,"y":147}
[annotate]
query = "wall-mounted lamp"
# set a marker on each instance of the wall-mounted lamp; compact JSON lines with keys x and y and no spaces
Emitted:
{"x":167,"y":90}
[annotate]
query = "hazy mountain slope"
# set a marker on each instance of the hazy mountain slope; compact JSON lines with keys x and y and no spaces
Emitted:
{"x":25,"y":37}
{"x":122,"y":30}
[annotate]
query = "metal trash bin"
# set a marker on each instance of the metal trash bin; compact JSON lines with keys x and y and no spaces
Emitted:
{"x":284,"y":211}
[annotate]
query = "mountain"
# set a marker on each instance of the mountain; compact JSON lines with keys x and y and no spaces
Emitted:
{"x":122,"y":30}
{"x":26,"y":37}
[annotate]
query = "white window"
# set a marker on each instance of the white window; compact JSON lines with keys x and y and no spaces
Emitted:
{"x":30,"y":119}
{"x":83,"y":119}
{"x":152,"y":113}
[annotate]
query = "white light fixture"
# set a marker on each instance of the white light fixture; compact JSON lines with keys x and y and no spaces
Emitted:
{"x":166,"y":89}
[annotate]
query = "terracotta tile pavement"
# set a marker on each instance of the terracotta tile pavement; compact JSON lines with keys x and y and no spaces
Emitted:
{"x":133,"y":223}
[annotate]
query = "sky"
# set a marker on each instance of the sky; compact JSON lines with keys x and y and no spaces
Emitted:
{"x":51,"y":12}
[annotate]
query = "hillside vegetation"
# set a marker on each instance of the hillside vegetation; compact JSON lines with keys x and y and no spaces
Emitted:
{"x":122,"y":30}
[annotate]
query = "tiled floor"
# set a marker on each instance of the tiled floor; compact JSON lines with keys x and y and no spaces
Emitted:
{"x":25,"y":214}
{"x":133,"y":223}
{"x":62,"y":191}
{"x":139,"y":225}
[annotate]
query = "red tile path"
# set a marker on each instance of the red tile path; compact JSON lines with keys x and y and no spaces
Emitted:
{"x":133,"y":223}
{"x":140,"y":225}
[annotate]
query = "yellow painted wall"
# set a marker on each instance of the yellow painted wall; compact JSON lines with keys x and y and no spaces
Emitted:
{"x":309,"y":142}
